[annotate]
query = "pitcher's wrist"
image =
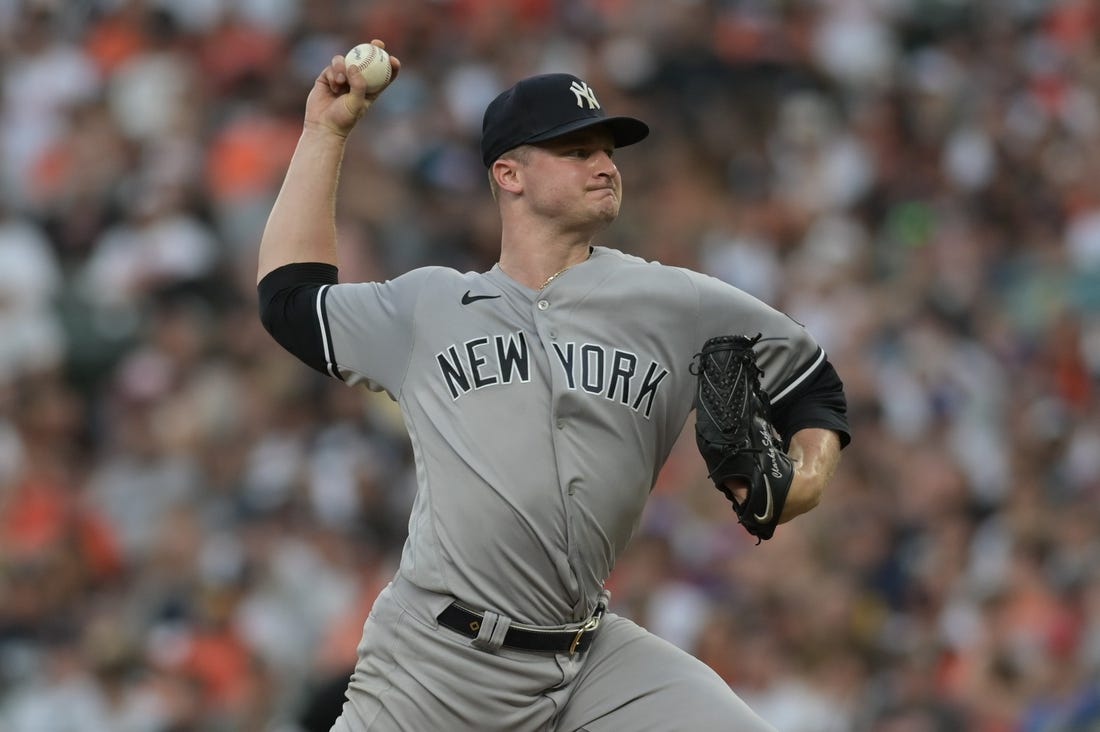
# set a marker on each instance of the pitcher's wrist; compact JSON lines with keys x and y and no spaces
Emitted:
{"x":322,"y":133}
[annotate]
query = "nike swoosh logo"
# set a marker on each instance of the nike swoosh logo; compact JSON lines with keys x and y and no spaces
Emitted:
{"x":468,"y":298}
{"x":769,"y":509}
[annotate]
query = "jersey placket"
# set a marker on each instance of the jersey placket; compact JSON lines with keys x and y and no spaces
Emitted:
{"x":548,"y":319}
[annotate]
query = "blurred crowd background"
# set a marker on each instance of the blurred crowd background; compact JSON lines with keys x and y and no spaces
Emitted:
{"x":193,"y":525}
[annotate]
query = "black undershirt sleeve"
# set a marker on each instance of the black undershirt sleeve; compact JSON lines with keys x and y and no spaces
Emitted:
{"x":819,"y":401}
{"x":292,"y":311}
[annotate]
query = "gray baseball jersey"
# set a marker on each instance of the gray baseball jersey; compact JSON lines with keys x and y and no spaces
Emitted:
{"x":540,"y":419}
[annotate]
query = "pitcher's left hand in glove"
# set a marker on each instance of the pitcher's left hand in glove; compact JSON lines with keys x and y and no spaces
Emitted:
{"x":735,"y":436}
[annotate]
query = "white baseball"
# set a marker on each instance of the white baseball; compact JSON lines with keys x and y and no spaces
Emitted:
{"x":372,"y":62}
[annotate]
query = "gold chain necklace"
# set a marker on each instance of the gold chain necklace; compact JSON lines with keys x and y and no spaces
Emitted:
{"x":557,"y":274}
{"x":552,"y":277}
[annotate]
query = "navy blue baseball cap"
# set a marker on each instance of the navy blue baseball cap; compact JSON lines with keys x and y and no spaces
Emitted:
{"x":543,"y":107}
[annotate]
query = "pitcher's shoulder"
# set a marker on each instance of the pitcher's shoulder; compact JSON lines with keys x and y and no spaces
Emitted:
{"x":623,"y":260}
{"x":650,"y":270}
{"x":440,"y":277}
{"x":616,"y":257}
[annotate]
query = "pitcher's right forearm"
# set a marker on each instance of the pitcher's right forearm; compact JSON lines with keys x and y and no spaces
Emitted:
{"x":302,"y":223}
{"x":816,"y":453}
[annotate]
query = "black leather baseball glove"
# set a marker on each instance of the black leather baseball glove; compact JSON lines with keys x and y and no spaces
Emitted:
{"x":735,"y":436}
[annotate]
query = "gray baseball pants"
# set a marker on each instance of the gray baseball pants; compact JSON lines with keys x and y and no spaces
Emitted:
{"x":415,"y":676}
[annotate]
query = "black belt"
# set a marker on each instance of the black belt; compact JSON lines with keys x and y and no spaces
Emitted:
{"x":525,"y":637}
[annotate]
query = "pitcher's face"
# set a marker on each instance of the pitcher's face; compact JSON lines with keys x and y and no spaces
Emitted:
{"x":574,"y":179}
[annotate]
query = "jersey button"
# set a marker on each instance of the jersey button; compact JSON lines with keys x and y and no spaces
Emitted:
{"x":553,"y":335}
{"x":543,"y":304}
{"x":561,"y":424}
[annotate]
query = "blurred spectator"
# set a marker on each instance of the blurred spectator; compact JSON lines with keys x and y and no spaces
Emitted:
{"x":43,"y":75}
{"x":30,"y":284}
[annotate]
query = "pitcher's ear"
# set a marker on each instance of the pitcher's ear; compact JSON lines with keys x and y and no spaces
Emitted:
{"x":505,"y":171}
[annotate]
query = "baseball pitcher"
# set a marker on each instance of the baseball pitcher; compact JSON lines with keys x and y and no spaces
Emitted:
{"x":542,"y":398}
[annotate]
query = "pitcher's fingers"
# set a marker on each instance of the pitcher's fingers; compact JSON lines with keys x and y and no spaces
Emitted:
{"x":333,"y":77}
{"x":395,"y":63}
{"x":338,"y":77}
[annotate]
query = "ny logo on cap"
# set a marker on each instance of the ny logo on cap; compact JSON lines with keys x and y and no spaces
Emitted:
{"x":583,"y":92}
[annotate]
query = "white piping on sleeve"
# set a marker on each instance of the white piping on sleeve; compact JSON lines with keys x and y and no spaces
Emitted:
{"x":326,"y":345}
{"x":805,"y":374}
